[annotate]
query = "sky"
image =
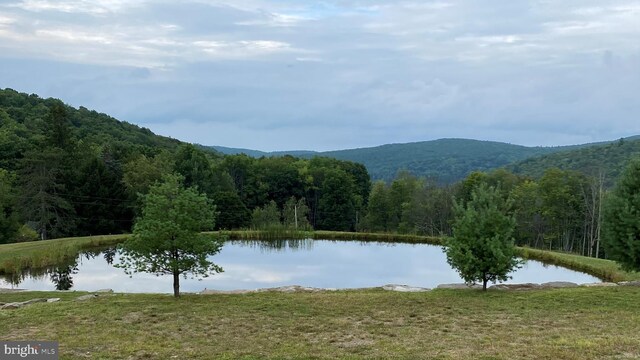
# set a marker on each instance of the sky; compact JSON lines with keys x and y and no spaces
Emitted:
{"x":285,"y":75}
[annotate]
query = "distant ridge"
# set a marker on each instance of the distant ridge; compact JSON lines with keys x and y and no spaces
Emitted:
{"x":446,"y":160}
{"x":608,"y":159}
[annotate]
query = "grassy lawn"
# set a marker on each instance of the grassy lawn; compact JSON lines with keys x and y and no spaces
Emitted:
{"x":578,"y":323}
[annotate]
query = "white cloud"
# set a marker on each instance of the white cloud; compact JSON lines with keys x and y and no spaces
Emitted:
{"x":93,"y":7}
{"x":282,"y":72}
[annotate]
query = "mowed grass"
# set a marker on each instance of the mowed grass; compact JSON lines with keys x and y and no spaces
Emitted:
{"x":578,"y":323}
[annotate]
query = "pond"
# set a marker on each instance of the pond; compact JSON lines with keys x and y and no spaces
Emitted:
{"x":262,"y":264}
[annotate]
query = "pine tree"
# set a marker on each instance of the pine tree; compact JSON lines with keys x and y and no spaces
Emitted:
{"x":482,"y":247}
{"x":167,"y":239}
{"x":621,"y":220}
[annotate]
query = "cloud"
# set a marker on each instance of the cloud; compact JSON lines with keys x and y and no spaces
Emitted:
{"x":335,"y":74}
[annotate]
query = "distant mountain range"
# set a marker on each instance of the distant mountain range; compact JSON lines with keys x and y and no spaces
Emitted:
{"x":446,"y":160}
{"x":449,"y":160}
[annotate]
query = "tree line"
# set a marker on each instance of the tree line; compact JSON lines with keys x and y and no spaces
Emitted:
{"x":561,"y":210}
{"x":54,"y":183}
{"x":67,"y":172}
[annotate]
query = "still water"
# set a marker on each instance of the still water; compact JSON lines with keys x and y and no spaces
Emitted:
{"x":314,"y":263}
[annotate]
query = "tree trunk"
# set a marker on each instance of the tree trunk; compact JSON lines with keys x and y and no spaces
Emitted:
{"x":176,"y":284}
{"x":484,"y":283}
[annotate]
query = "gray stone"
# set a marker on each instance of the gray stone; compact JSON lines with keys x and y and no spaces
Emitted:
{"x":600,"y":284}
{"x":52,"y":300}
{"x":286,"y":289}
{"x":16,"y":305}
{"x":526,"y":286}
{"x":104,"y":291}
{"x":213,"y":292}
{"x":86,"y":297}
{"x":404,"y":288}
{"x":559,"y":284}
{"x":459,"y":286}
{"x":291,"y":288}
{"x":630,"y":283}
{"x":9,"y":306}
{"x":33,"y":301}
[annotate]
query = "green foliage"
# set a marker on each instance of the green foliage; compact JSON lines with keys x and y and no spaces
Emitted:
{"x":337,"y":204}
{"x":233,"y":213}
{"x":141,"y":172}
{"x":295,"y":214}
{"x":379,"y":209}
{"x":482,"y":247}
{"x":25,"y":233}
{"x":266,"y":217}
{"x":621,"y":223}
{"x":107,"y":208}
{"x":563,"y":205}
{"x":446,"y":160}
{"x":195,"y":167}
{"x":9,"y":223}
{"x":609,"y":159}
{"x":42,"y":183}
{"x":167,"y":239}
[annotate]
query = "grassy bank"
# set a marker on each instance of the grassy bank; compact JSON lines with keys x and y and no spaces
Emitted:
{"x":580,"y":323}
{"x":604,"y":269}
{"x":40,"y":254}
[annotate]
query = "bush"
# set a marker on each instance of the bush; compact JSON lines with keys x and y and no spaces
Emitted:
{"x":26,"y":233}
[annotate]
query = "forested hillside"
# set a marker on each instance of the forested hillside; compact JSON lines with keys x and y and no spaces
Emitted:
{"x":67,"y":172}
{"x":607,"y":159}
{"x":71,"y":172}
{"x":444,"y":160}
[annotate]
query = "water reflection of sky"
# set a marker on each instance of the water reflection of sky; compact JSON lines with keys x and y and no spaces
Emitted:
{"x":319,"y":263}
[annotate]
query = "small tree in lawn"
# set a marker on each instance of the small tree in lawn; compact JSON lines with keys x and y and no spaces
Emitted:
{"x":621,"y":220}
{"x":167,"y":239}
{"x":482,"y":247}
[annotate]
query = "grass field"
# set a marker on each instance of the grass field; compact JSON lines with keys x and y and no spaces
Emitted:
{"x":578,"y":323}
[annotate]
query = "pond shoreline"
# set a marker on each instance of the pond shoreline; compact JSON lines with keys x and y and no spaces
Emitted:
{"x":15,"y":258}
{"x":387,"y":287}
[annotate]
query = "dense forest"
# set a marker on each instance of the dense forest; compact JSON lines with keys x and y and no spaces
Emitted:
{"x":559,"y":211}
{"x":70,"y":172}
{"x":607,"y":160}
{"x":450,"y":160}
{"x":445,"y":161}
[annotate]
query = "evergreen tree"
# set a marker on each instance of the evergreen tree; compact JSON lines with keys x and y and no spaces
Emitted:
{"x":337,"y":205}
{"x":233,"y":213}
{"x":167,"y":239}
{"x":9,"y":224}
{"x":621,"y":220}
{"x":42,"y":194}
{"x":482,"y":247}
{"x":379,"y":208}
